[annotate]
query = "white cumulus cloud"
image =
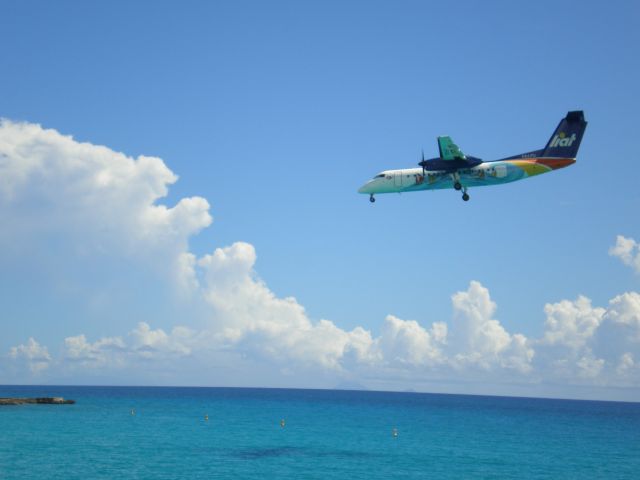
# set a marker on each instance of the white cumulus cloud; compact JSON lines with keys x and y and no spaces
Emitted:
{"x":406,"y":342}
{"x":148,"y":343}
{"x":477,"y":339}
{"x":35,"y":356}
{"x":106,"y":351}
{"x":100,"y":201}
{"x":571,"y":323}
{"x":628,"y":251}
{"x":591,"y":343}
{"x":620,"y":328}
{"x":251,"y":317}
{"x":141,"y":343}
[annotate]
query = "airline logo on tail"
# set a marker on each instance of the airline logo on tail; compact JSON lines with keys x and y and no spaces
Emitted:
{"x":561,"y":140}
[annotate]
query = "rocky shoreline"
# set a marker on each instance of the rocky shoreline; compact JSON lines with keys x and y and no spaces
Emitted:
{"x":38,"y":400}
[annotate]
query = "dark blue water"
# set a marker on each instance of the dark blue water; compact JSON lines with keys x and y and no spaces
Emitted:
{"x":327,"y":434}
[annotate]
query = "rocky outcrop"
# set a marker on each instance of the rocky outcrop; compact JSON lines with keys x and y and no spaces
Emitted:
{"x":39,"y":400}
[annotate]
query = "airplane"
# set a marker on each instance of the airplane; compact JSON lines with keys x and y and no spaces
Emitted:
{"x":454,"y":169}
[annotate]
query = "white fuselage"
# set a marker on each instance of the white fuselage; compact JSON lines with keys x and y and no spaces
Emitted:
{"x":486,"y":173}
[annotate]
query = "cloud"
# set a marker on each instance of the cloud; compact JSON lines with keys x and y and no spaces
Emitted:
{"x":106,"y":351}
{"x":620,"y":328}
{"x":589,"y":366}
{"x":101,"y":202}
{"x":251,"y":317}
{"x":626,"y":364}
{"x":149,"y":343}
{"x":581,"y":345}
{"x":586,"y":342}
{"x":624,"y":313}
{"x":571,"y":323}
{"x":77,"y":202}
{"x":143,"y":343}
{"x":479,"y":340}
{"x":406,"y":342}
{"x":628,"y":251}
{"x":34,"y":355}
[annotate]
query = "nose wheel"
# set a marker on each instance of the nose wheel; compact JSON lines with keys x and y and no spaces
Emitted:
{"x":372,"y":199}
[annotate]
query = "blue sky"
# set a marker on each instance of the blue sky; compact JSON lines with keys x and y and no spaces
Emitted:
{"x":276,"y":113}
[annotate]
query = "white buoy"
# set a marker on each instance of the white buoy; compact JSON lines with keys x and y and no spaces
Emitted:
{"x":206,"y":417}
{"x":133,"y":411}
{"x":282,"y":423}
{"x":394,"y":432}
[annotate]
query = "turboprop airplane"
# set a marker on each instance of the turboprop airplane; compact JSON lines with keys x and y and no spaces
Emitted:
{"x":454,"y":169}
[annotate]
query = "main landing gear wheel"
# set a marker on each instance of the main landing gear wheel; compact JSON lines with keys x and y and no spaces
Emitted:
{"x":372,"y":199}
{"x":457,"y":186}
{"x":465,"y":197}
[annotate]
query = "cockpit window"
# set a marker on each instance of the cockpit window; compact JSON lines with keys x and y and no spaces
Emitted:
{"x":381,"y":175}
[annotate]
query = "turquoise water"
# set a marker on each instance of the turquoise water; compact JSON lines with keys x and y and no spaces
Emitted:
{"x":328,"y":434}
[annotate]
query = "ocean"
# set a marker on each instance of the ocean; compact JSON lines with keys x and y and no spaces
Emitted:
{"x":326,"y":434}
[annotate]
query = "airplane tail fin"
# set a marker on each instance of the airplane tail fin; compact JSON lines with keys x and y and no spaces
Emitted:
{"x":565,"y":141}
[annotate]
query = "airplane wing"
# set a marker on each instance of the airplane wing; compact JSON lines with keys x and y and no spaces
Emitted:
{"x":449,"y":150}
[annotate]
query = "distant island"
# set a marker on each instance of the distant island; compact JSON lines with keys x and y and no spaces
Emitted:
{"x":38,"y":400}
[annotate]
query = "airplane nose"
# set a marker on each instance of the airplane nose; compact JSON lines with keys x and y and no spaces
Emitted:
{"x":365,"y":188}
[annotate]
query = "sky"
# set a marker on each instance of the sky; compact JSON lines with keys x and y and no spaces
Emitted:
{"x":178,"y":196}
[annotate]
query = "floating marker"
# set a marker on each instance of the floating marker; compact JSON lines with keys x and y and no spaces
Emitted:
{"x":133,"y":411}
{"x":394,"y":432}
{"x":282,"y":423}
{"x":206,"y":417}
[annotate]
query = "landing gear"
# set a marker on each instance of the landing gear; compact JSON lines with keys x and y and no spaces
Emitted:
{"x":455,"y":176}
{"x":372,"y":198}
{"x":465,"y":195}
